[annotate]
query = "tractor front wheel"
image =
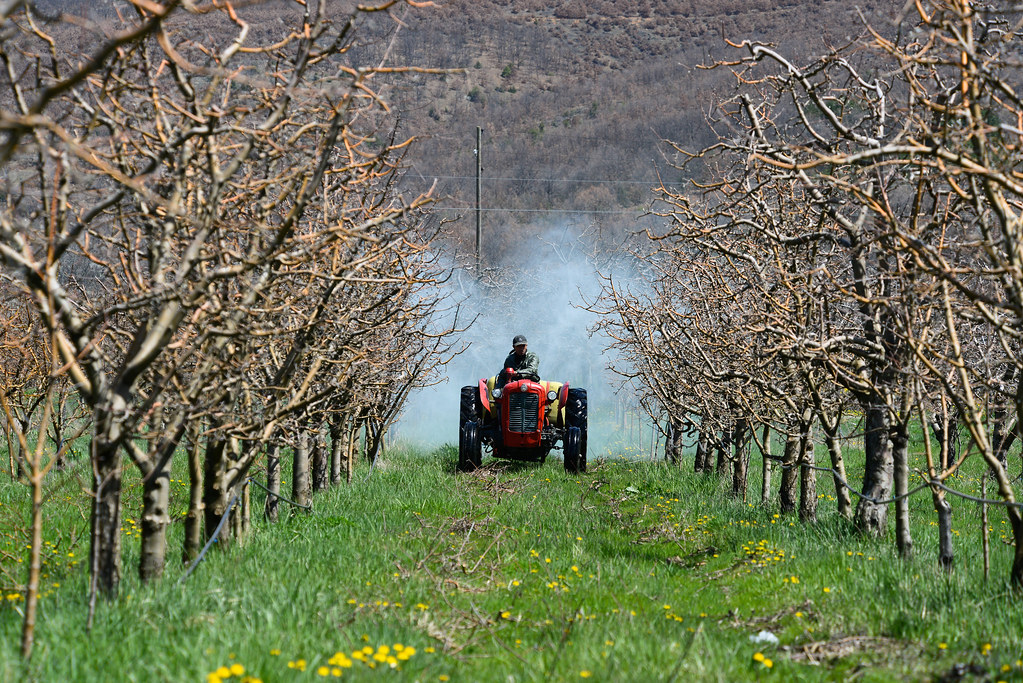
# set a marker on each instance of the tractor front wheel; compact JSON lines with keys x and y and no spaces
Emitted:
{"x":470,"y":449}
{"x":576,"y":418}
{"x":571,"y":450}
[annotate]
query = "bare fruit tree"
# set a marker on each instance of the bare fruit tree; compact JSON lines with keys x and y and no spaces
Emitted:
{"x":180,"y":204}
{"x":859,"y":234}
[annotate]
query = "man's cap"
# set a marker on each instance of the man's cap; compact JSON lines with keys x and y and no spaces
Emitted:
{"x":519,"y":340}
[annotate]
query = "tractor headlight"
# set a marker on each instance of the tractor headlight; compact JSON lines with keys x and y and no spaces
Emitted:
{"x":551,"y":395}
{"x":497,"y":393}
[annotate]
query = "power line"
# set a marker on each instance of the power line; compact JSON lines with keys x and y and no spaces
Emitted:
{"x":543,"y":180}
{"x":634,"y":212}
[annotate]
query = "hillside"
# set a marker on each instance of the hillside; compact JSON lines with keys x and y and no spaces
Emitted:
{"x":575,"y":97}
{"x":579,"y":95}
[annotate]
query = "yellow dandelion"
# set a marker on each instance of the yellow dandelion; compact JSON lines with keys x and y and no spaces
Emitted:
{"x":237,"y":670}
{"x":758,"y":657}
{"x":585,"y":674}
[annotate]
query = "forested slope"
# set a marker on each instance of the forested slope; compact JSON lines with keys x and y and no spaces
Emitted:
{"x":581,"y":95}
{"x":574,"y":97}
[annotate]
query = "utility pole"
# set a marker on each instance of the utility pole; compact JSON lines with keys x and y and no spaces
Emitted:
{"x":479,"y":193}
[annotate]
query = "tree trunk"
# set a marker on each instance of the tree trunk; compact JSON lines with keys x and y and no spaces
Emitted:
{"x":321,"y":462}
{"x":273,"y":481}
{"x":768,"y":465}
{"x":215,"y":495}
{"x":105,"y":550}
{"x":338,"y":451}
{"x":723,"y":446}
{"x":740,"y":464}
{"x":877,"y":478}
{"x":702,"y":459}
{"x":673,"y":442}
{"x":8,"y":434}
{"x":946,"y":431}
{"x":300,"y":470}
{"x":155,"y":518}
{"x":1003,"y":434}
{"x":374,"y":439}
{"x":788,"y":494}
{"x":900,"y":466}
{"x":194,"y":516}
{"x":1016,"y":574}
{"x":246,"y":509}
{"x":353,"y":443}
{"x":807,"y":474}
{"x":838,"y":466}
{"x":946,"y":552}
{"x":35,"y":563}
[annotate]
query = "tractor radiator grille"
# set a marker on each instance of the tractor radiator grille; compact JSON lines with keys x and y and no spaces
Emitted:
{"x":523,"y":412}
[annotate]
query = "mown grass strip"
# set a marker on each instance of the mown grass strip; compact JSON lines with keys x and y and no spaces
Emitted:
{"x":633,"y":571}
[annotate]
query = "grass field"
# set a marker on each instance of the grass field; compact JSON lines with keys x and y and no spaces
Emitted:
{"x":634,"y":571}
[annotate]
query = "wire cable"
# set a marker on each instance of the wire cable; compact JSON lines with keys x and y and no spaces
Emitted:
{"x":280,"y":497}
{"x":543,"y":180}
{"x":213,"y":539}
{"x":633,"y":212}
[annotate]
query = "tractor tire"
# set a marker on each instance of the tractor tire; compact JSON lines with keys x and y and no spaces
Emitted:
{"x":469,"y":408}
{"x":576,"y":416}
{"x":571,"y":450}
{"x":470,"y":450}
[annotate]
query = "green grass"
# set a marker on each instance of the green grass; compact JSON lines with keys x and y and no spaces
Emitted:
{"x":632,"y":572}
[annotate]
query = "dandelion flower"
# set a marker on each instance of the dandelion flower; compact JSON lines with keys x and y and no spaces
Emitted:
{"x":758,"y":657}
{"x":585,"y":674}
{"x":237,"y":670}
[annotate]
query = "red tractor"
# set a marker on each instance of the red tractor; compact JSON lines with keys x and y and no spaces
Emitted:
{"x":522,"y":420}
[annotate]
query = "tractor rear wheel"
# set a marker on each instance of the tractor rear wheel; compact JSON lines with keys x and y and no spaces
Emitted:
{"x":469,"y":447}
{"x":576,"y":416}
{"x":469,"y":409}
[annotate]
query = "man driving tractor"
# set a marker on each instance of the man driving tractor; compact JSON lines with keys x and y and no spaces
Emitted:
{"x":520,"y":363}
